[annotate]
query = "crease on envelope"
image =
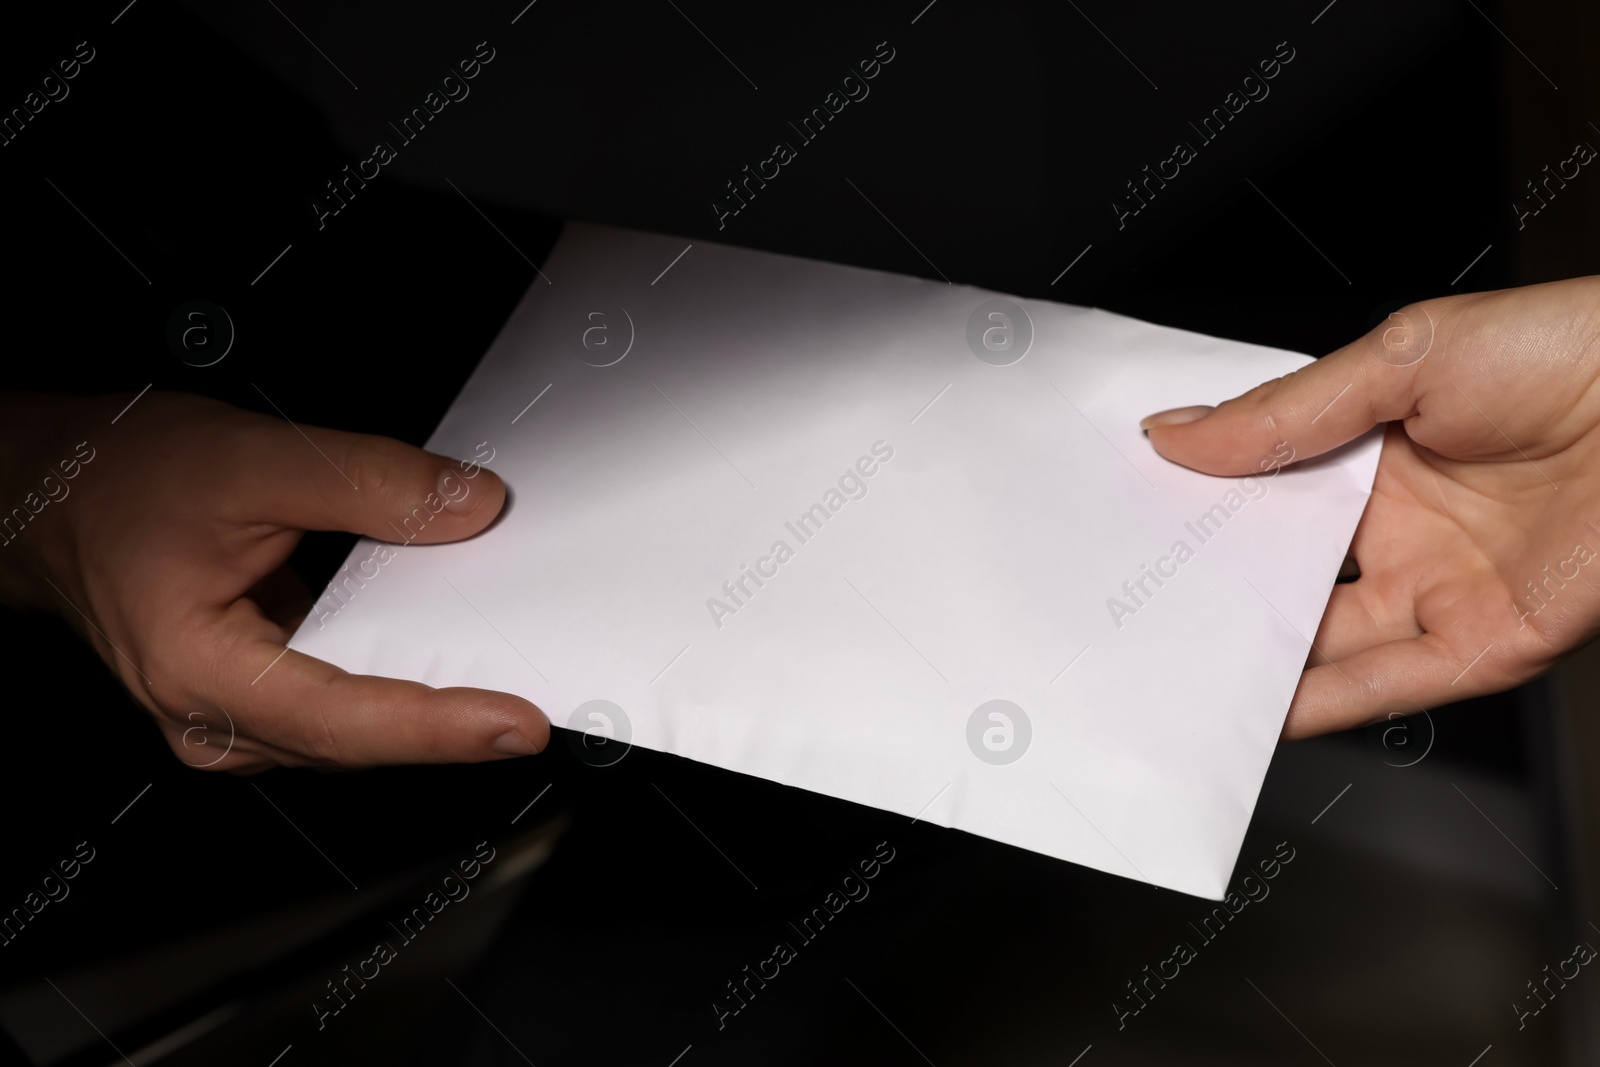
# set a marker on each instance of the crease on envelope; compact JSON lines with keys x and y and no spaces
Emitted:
{"x":978,"y":563}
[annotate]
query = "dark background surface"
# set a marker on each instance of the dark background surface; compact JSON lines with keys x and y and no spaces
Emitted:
{"x":995,"y":141}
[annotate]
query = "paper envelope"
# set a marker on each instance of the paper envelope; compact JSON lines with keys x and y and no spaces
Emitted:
{"x":892,"y":540}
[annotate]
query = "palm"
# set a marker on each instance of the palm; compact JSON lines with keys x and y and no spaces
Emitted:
{"x":1488,"y":481}
{"x":1456,"y":529}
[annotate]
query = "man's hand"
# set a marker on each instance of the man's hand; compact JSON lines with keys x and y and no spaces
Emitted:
{"x":166,"y":551}
{"x":1479,"y":551}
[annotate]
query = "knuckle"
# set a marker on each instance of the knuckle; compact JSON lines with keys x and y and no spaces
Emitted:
{"x":319,"y":738}
{"x":429,"y":748}
{"x":432,"y":738}
{"x":377,"y":466}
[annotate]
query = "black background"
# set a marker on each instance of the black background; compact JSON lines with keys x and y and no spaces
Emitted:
{"x":996,"y":141}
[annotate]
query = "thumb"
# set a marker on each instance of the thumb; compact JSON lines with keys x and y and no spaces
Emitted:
{"x":385,"y":489}
{"x":1324,"y":404}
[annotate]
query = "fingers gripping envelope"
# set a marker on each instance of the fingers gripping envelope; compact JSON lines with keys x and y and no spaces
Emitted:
{"x":892,"y":540}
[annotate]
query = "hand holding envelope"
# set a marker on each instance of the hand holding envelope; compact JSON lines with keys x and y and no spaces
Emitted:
{"x":886,"y":539}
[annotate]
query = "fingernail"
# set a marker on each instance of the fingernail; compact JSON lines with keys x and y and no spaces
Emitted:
{"x":457,"y":492}
{"x":514,"y":744}
{"x":1176,"y":416}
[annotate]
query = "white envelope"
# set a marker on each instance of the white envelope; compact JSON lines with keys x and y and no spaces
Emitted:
{"x":955,"y":530}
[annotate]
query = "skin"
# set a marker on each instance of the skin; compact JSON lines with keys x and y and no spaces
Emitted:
{"x":167,"y":554}
{"x":1490,"y":471}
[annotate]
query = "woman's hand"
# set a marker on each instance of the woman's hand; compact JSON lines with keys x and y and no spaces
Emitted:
{"x":165,"y":548}
{"x":1479,"y":551}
